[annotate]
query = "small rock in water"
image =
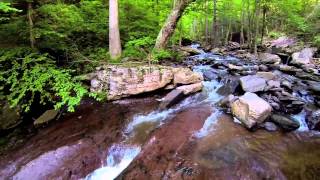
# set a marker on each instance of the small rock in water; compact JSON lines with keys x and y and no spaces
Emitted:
{"x":209,"y":75}
{"x":46,"y":117}
{"x":234,"y":67}
{"x":251,"y":110}
{"x":171,"y":98}
{"x":229,"y":86}
{"x":313,"y":120}
{"x":225,"y":102}
{"x":263,"y":67}
{"x":269,"y":58}
{"x":273,"y":84}
{"x":270,"y":126}
{"x":266,"y":75}
{"x":314,"y":86}
{"x":253,"y":83}
{"x":286,"y":84}
{"x":192,"y":88}
{"x":284,"y":122}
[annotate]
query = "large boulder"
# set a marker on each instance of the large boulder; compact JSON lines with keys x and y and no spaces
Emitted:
{"x":268,"y":58}
{"x":303,"y":57}
{"x":253,"y":83}
{"x":251,"y":110}
{"x":285,"y":123}
{"x":120,"y":82}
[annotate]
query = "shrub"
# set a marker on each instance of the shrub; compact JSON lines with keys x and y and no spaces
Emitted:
{"x":139,"y":48}
{"x":25,"y":74}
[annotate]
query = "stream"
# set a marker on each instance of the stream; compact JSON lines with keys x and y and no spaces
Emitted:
{"x":195,"y":139}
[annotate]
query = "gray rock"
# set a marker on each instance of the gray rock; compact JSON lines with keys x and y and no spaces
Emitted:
{"x":251,"y":110}
{"x":313,"y":120}
{"x":314,"y":86}
{"x":263,"y":67}
{"x":229,"y":87}
{"x":303,"y":57}
{"x":226,"y":101}
{"x":209,"y":75}
{"x":273,"y":84}
{"x":266,"y":75}
{"x":284,"y":122}
{"x":171,"y":99}
{"x":270,"y":126}
{"x":286,"y":84}
{"x":192,"y":88}
{"x":269,"y":58}
{"x":253,"y":83}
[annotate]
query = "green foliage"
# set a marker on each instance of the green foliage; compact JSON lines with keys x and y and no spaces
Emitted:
{"x":158,"y":55}
{"x":316,"y":41}
{"x":139,"y":48}
{"x":24,"y":75}
{"x":5,"y":8}
{"x":276,"y":34}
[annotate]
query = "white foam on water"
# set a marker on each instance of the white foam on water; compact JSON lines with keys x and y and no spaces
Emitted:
{"x":208,"y":125}
{"x":211,"y":88}
{"x":301,"y":117}
{"x":119,"y":158}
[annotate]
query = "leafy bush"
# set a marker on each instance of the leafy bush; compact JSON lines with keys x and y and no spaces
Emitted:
{"x":316,"y":41}
{"x":25,"y":75}
{"x":276,"y":34}
{"x":139,"y":48}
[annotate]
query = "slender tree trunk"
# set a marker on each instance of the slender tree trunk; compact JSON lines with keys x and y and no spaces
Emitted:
{"x":215,"y":24}
{"x":31,"y":36}
{"x":263,"y":23}
{"x":207,"y":24}
{"x":242,"y":24}
{"x":168,"y":28}
{"x":228,"y":32}
{"x":114,"y":34}
{"x":256,"y":27}
{"x":249,"y":33}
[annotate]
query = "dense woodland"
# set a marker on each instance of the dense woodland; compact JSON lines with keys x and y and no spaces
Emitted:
{"x":47,"y":45}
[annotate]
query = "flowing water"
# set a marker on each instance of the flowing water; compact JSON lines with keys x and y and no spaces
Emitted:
{"x":195,"y":139}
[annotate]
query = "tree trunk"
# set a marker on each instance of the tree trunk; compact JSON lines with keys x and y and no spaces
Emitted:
{"x":263,"y":23}
{"x":114,"y":34}
{"x":256,"y":27}
{"x":31,"y":37}
{"x":168,"y":28}
{"x":242,"y":24}
{"x":207,"y":23}
{"x":215,"y":24}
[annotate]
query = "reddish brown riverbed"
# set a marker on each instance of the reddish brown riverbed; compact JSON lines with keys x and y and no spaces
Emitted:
{"x":77,"y":144}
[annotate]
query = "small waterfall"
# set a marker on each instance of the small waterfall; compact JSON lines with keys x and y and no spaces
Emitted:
{"x":301,"y":118}
{"x":119,"y":158}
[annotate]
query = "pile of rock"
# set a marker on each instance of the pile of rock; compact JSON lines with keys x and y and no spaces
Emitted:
{"x":264,"y":110}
